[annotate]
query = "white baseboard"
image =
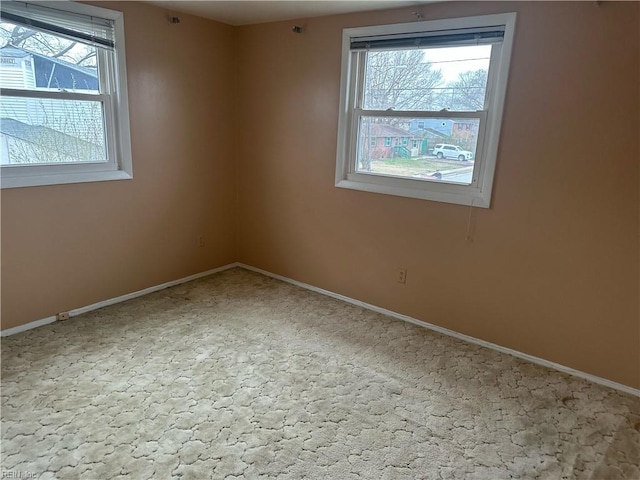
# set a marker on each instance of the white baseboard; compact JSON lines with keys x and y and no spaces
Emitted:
{"x":452,"y":333}
{"x":27,"y":326}
{"x":146,"y":291}
{"x":368,"y":306}
{"x":112,"y":301}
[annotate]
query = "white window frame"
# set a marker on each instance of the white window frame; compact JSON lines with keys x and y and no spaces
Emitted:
{"x":114,"y":98}
{"x":478,"y":194}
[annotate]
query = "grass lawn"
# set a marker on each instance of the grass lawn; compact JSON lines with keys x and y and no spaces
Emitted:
{"x":407,"y":167}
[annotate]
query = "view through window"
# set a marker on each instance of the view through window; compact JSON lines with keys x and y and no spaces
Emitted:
{"x":400,"y":133}
{"x":36,"y":128}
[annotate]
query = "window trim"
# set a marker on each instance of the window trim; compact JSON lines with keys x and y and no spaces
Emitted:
{"x":115,"y":101}
{"x":478,"y":194}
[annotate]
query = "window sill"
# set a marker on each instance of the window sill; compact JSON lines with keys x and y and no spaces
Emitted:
{"x":7,"y":181}
{"x":428,"y":193}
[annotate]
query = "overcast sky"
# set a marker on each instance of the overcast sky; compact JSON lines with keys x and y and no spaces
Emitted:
{"x":454,"y":60}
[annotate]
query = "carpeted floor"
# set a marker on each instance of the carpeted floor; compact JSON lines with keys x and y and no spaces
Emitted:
{"x":242,"y":376}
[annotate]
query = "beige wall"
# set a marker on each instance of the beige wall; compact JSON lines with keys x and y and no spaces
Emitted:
{"x":69,"y":246}
{"x":553,"y":269}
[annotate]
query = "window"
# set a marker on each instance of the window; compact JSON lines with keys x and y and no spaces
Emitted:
{"x":63,"y":95}
{"x":427,"y":80}
{"x":387,"y":141}
{"x":374,"y":141}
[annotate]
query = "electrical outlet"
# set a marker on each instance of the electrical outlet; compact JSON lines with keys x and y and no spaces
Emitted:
{"x":201,"y":241}
{"x":402,"y":275}
{"x":62,"y":316}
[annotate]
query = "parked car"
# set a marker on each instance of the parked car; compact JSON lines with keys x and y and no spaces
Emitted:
{"x":443,"y":150}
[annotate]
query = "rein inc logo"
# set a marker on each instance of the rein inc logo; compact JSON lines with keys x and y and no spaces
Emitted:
{"x":17,"y":474}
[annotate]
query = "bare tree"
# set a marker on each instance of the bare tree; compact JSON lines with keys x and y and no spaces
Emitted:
{"x":46,"y":44}
{"x":400,"y":80}
{"x":467,"y":93}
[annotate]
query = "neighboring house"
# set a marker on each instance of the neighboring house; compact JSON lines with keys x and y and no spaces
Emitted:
{"x":430,"y":137}
{"x":25,"y":69}
{"x":465,"y":133}
{"x":457,"y":131}
{"x":431,"y":131}
{"x":443,"y":126}
{"x":38,"y":128}
{"x":387,"y":141}
{"x":465,"y":129}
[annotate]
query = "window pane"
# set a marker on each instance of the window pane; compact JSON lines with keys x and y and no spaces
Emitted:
{"x":431,"y":79}
{"x":33,"y":60}
{"x":433,"y":149}
{"x":46,"y":131}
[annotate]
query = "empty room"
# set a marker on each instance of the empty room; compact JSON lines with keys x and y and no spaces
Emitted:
{"x":320,"y":240}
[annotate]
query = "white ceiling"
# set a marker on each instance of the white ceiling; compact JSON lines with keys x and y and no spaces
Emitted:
{"x":246,"y":12}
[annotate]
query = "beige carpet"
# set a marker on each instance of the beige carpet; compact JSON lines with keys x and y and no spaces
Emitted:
{"x":242,"y":376}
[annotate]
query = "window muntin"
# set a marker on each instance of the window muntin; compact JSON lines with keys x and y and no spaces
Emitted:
{"x":63,"y":109}
{"x":444,"y":82}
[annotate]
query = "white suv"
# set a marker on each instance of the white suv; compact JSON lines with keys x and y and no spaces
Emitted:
{"x":443,"y":150}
